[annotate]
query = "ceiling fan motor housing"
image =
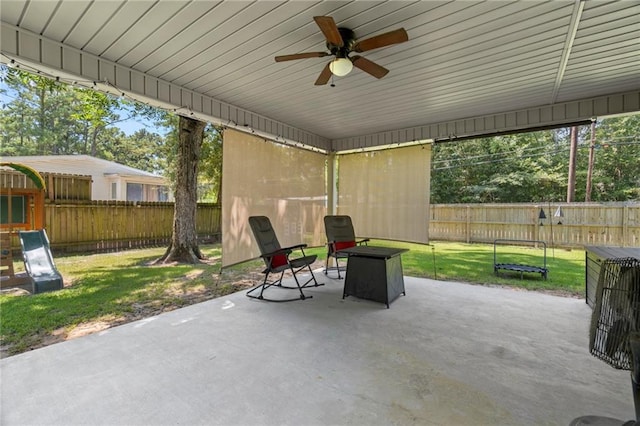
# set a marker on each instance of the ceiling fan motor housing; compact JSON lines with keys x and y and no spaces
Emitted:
{"x":348,"y":40}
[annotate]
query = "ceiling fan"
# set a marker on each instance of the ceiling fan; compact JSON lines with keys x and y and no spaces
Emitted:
{"x":341,"y":42}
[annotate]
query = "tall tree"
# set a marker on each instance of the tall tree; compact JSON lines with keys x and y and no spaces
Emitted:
{"x":143,"y":150}
{"x":573,"y":152}
{"x":210,"y":172}
{"x":52,"y":117}
{"x":511,"y":168}
{"x":533,"y":167}
{"x":210,"y":164}
{"x":184,"y":242}
{"x":592,"y":147}
{"x":616,"y":175}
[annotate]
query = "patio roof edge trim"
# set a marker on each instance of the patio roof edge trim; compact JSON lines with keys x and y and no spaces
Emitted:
{"x":385,"y":147}
{"x":277,"y":139}
{"x":545,"y":116}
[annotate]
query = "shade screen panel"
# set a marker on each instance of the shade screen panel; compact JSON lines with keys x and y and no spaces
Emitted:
{"x":262,"y":178}
{"x":386,"y":193}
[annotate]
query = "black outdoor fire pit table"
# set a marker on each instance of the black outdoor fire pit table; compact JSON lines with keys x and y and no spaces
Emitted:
{"x":374,"y":273}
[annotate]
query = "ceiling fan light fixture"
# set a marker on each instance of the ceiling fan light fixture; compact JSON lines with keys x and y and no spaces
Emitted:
{"x":340,"y":66}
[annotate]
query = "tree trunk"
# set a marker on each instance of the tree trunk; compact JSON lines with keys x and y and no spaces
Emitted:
{"x":45,"y":148}
{"x":592,"y":147}
{"x":218,"y":199}
{"x":184,"y":243}
{"x":571,"y":187}
{"x":94,"y":142}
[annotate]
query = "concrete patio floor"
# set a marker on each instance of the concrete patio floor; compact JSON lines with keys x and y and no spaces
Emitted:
{"x":445,"y":354}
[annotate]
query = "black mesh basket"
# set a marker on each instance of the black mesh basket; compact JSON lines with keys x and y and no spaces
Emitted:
{"x":617,"y":312}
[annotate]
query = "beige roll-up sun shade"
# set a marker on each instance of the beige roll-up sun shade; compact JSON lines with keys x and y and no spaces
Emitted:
{"x":386,"y":193}
{"x":284,"y":183}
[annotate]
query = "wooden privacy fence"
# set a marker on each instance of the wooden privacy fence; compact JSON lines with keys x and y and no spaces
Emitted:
{"x":565,"y":225}
{"x":117,"y":225}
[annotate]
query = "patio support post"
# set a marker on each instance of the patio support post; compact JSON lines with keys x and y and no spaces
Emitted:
{"x":332,"y":189}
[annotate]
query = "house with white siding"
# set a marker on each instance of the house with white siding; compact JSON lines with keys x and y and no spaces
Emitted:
{"x":110,"y":180}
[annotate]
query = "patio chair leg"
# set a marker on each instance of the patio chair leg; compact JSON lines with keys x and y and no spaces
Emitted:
{"x":277,"y":283}
{"x":337,"y":267}
{"x":302,"y":295}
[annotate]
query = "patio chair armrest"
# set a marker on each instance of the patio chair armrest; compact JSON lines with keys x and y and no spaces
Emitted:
{"x":297,"y":246}
{"x":365,"y":240}
{"x":286,"y":251}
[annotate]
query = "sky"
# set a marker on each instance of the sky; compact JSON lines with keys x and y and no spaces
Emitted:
{"x":133,"y":125}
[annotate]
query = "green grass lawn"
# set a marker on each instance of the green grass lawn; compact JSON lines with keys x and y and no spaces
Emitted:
{"x":103,"y":290}
{"x":473,"y":263}
{"x":110,"y":288}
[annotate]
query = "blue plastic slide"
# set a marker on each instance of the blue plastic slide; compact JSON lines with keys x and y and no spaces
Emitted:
{"x":38,"y":261}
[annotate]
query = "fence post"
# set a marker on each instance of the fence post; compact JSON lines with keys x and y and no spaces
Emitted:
{"x":536,"y":225}
{"x":625,"y":225}
{"x":468,"y":226}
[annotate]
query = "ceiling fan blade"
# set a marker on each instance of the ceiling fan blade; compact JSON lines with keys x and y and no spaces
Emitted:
{"x":324,"y":76}
{"x":301,"y":56}
{"x":369,"y":67}
{"x":382,"y":40}
{"x":329,"y":29}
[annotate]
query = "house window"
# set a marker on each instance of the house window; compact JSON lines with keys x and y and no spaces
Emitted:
{"x":114,"y":191}
{"x":18,"y":209}
{"x":135,"y":192}
{"x":163,"y":193}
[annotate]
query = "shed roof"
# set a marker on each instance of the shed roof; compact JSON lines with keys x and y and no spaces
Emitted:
{"x":79,"y":165}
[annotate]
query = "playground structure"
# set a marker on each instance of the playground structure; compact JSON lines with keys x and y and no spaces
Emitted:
{"x":22,"y":216}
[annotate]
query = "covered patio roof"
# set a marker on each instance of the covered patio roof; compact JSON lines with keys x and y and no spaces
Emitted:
{"x":470,"y":68}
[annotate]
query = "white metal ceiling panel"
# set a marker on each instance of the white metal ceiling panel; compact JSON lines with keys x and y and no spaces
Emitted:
{"x":63,"y":20}
{"x":268,"y":75}
{"x":247,"y":62}
{"x":244,"y":42}
{"x":144,"y":28}
{"x":608,"y":11}
{"x":298,"y":102}
{"x":168,"y":56}
{"x":32,"y":16}
{"x":464,"y":59}
{"x":12,"y":12}
{"x":91,"y":22}
{"x":114,"y":26}
{"x":606,"y":48}
{"x":208,"y":47}
{"x":250,"y":61}
{"x":183,"y":21}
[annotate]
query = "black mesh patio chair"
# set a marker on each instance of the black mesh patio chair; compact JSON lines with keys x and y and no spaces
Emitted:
{"x":278,"y":260}
{"x":340,"y":236}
